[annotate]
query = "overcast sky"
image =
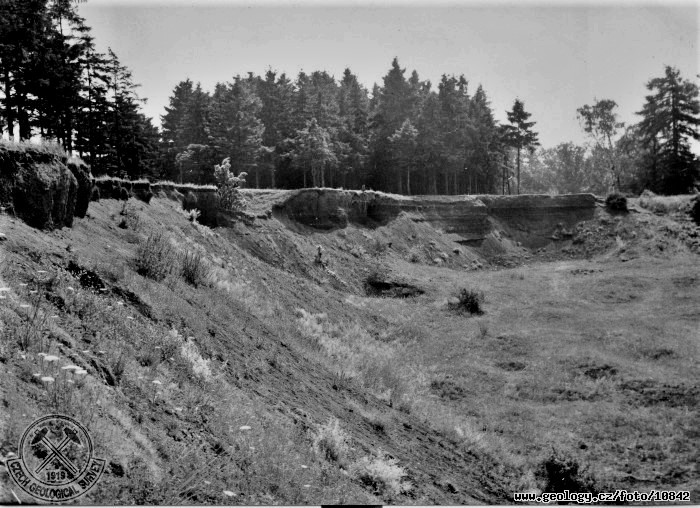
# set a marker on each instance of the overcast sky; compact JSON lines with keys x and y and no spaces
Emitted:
{"x":554,"y":56}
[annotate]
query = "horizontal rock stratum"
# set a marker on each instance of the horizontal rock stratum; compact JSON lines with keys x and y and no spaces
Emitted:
{"x":530,"y":219}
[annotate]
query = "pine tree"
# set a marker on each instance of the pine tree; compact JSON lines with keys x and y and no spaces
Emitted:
{"x":430,"y":142}
{"x":352,"y":139}
{"x":192,"y":127}
{"x":519,"y":133}
{"x":403,"y":145}
{"x":670,"y":118}
{"x":277,"y":116}
{"x":482,"y":163}
{"x":311,"y":149}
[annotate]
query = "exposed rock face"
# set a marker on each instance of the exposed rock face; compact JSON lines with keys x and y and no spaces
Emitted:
{"x":38,"y":186}
{"x":331,"y":209}
{"x":533,"y":219}
{"x":529,"y":219}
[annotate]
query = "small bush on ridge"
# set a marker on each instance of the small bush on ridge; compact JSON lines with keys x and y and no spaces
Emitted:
{"x":230,"y":198}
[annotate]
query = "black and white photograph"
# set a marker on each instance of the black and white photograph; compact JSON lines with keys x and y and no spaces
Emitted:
{"x":356,"y":252}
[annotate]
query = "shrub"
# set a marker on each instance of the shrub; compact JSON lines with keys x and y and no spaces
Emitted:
{"x":229,"y":197}
{"x":124,"y":194}
{"x":561,"y":473}
{"x":331,"y":442}
{"x":95,"y":196}
{"x":383,"y":475}
{"x":616,"y":202}
{"x":469,"y":301}
{"x":155,"y":257}
{"x":194,"y":269}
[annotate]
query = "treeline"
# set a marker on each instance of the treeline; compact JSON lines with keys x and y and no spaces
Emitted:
{"x":404,"y":137}
{"x":654,"y":154}
{"x":407,"y":138}
{"x":55,"y":85}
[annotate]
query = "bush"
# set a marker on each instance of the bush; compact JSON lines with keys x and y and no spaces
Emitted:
{"x":229,"y":197}
{"x":155,"y":257}
{"x":95,"y":196}
{"x":383,"y":475}
{"x":560,"y":473}
{"x":194,"y":269}
{"x":616,"y":202}
{"x":469,"y":301}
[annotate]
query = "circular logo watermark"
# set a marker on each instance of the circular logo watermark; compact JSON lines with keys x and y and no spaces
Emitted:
{"x":55,"y":460}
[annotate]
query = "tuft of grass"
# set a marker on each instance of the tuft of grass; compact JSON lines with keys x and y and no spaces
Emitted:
{"x":331,"y":442}
{"x":190,"y":352}
{"x":382,"y":474}
{"x":194,"y":268}
{"x":155,"y":257}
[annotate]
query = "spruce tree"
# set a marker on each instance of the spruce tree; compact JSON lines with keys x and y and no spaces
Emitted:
{"x":519,"y":133}
{"x":670,"y":119}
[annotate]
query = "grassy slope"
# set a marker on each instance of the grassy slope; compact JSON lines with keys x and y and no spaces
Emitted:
{"x":597,"y":359}
{"x":252,"y":366}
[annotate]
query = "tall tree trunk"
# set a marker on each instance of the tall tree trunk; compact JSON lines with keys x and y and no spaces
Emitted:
{"x":408,"y":179}
{"x":518,"y":170}
{"x":9,"y":112}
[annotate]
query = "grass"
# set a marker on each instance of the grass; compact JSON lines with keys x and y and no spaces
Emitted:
{"x":665,"y":205}
{"x":558,"y":328}
{"x":43,"y":146}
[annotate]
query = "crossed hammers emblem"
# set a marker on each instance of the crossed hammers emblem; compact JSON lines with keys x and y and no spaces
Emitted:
{"x":56,"y":452}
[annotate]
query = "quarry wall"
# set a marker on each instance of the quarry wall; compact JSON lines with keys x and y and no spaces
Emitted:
{"x":529,"y":219}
